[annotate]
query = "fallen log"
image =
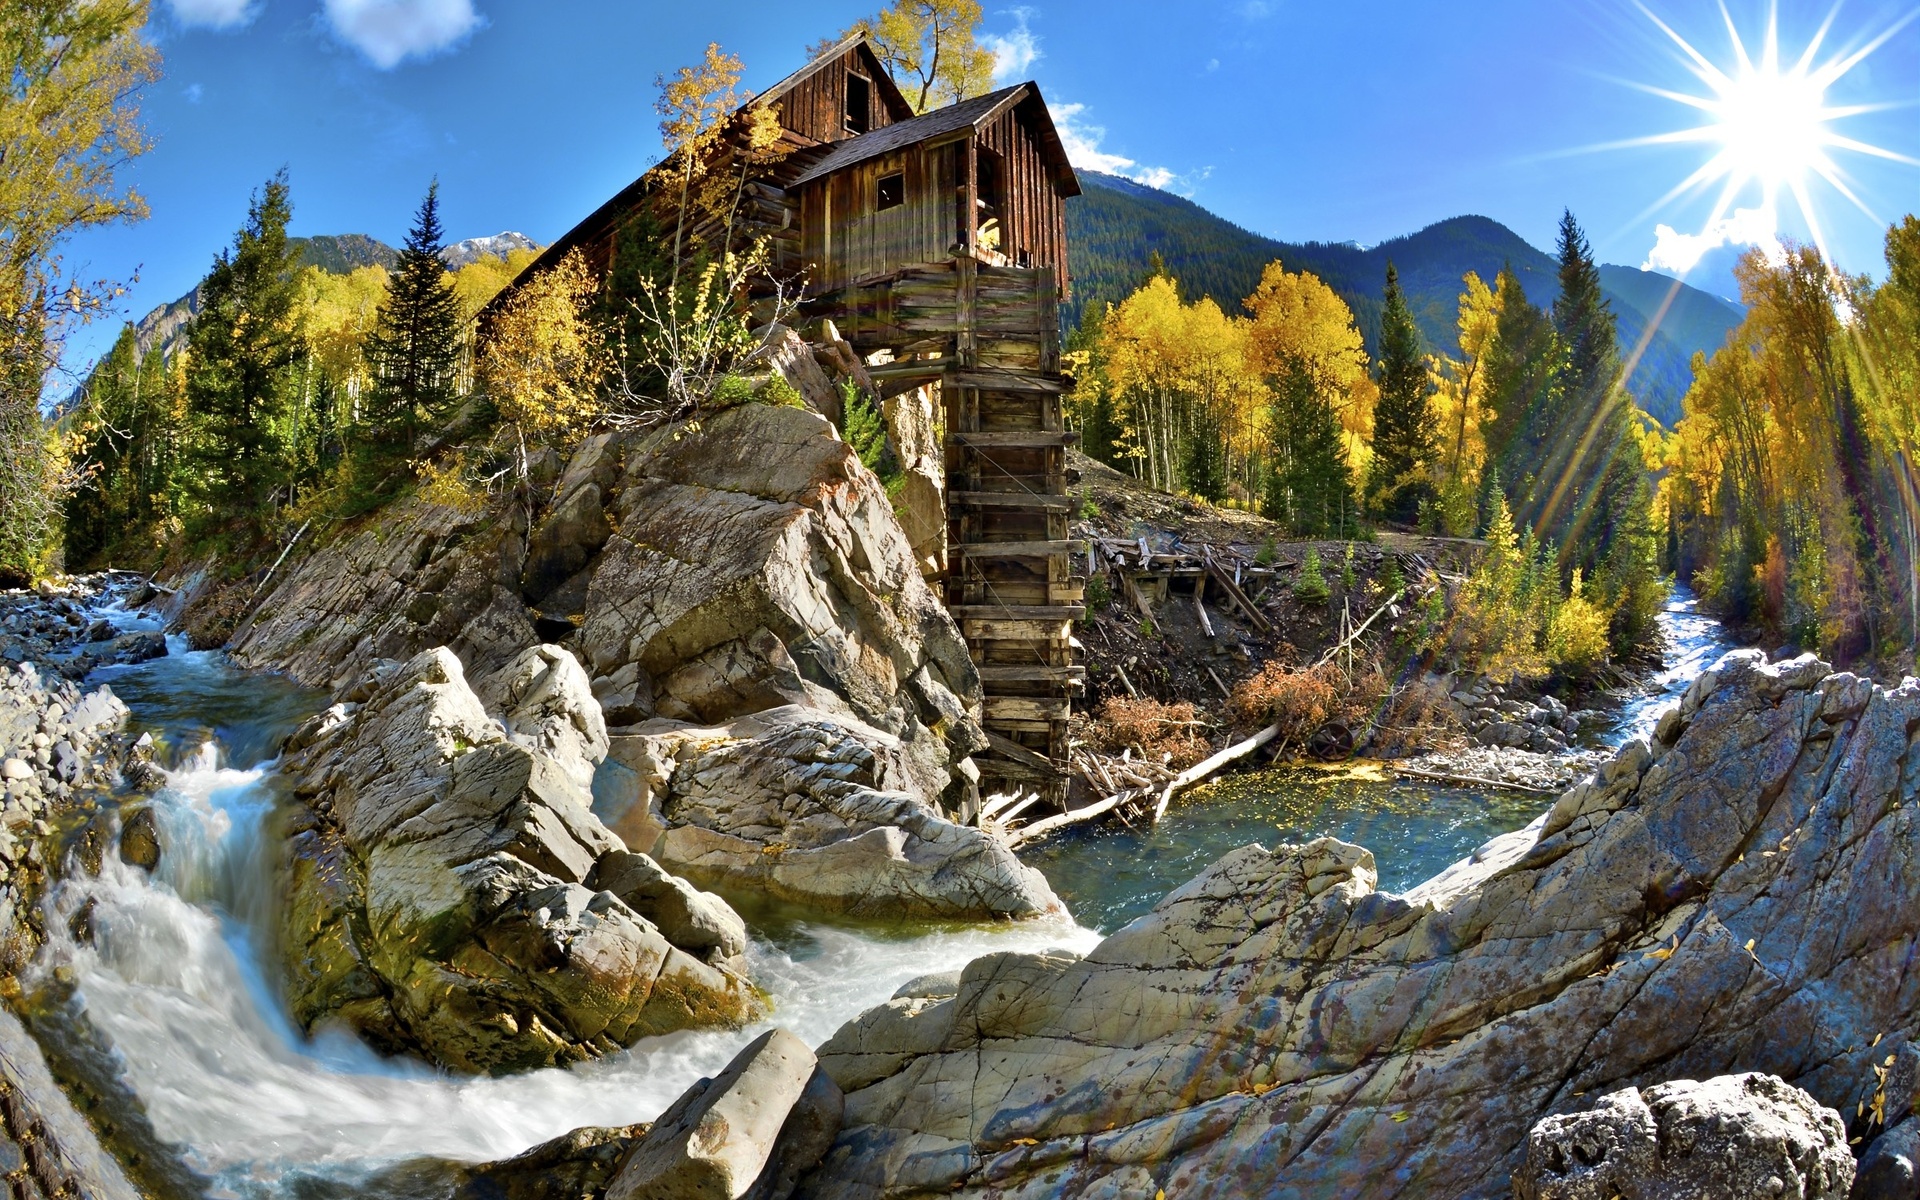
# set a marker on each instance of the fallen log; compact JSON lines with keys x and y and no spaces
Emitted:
{"x":1041,"y":828}
{"x":1201,"y":770}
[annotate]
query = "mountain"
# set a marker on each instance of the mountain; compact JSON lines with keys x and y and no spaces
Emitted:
{"x":499,"y":246}
{"x":1117,"y":224}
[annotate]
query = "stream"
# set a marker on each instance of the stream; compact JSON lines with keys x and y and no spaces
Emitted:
{"x":177,"y":976}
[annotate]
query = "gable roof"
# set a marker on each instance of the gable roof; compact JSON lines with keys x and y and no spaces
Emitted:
{"x":889,"y":90}
{"x":966,"y":115}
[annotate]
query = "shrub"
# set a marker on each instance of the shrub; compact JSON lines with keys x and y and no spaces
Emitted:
{"x":1298,"y":699}
{"x":1152,"y":729}
{"x":1099,"y":595}
{"x":1268,"y":551}
{"x":1310,"y":581}
{"x":1346,"y":571}
{"x":1577,"y":631}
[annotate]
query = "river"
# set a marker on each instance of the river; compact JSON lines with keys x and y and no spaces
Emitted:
{"x":174,"y":978}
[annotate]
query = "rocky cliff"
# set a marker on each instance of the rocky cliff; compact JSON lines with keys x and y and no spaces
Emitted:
{"x":706,"y":575}
{"x":1739,"y":895}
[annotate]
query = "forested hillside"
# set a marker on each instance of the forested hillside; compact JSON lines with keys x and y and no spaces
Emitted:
{"x":1115,"y":227}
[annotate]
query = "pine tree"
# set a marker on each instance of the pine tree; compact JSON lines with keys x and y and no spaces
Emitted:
{"x":242,"y":347}
{"x":1310,"y":488}
{"x":1402,"y":420}
{"x":1205,"y":461}
{"x":413,"y":354}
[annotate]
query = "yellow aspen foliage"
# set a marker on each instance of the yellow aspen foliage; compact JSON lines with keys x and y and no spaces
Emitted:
{"x":545,"y":360}
{"x":929,"y":46}
{"x":1298,"y":319}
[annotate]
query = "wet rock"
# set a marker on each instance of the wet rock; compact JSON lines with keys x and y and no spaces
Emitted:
{"x":1745,"y":903}
{"x":809,"y":809}
{"x":1733,"y":1137}
{"x":747,"y":1134}
{"x":436,"y":884}
{"x":140,"y":840}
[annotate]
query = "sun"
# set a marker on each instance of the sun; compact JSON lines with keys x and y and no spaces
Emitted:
{"x":1768,"y":122}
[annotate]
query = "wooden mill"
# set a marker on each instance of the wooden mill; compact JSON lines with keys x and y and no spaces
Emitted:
{"x":936,"y":246}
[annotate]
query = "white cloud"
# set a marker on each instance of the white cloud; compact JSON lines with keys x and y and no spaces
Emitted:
{"x":389,"y":31}
{"x":1013,"y":52}
{"x":193,"y":92}
{"x":1677,"y":253}
{"x":212,"y":14}
{"x":1256,"y":10}
{"x":1082,"y":143}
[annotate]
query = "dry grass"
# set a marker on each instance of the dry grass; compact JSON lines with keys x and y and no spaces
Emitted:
{"x":1151,"y":729}
{"x":1305,"y":701}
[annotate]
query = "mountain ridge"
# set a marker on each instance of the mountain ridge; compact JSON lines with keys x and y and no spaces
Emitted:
{"x":1116,"y":224}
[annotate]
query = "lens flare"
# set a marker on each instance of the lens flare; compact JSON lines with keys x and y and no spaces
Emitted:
{"x":1770,"y":124}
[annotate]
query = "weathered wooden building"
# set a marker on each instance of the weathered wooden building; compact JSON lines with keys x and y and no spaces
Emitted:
{"x":936,"y":244}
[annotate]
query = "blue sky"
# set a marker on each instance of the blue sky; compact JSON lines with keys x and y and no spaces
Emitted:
{"x":1301,"y":119}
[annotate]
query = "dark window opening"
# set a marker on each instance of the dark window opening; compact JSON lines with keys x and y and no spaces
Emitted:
{"x":891,"y":193}
{"x":987,"y":182}
{"x":859,"y":103}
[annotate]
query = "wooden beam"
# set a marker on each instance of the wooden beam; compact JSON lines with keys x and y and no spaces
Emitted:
{"x":1008,"y":748}
{"x":997,"y":673}
{"x":1026,"y":708}
{"x":1011,"y":500}
{"x":1017,"y":612}
{"x":1017,"y":630}
{"x":1027,"y":438}
{"x":1045,"y":549}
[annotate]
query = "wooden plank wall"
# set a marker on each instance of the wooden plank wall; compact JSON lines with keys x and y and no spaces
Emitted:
{"x":845,"y":237}
{"x":1033,"y":214}
{"x":816,"y":107}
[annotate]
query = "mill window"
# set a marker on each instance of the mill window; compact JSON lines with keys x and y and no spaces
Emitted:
{"x":859,"y":103}
{"x":892,"y":192}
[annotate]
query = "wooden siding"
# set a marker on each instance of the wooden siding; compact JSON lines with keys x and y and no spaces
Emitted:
{"x":844,"y":236}
{"x":814,"y":110}
{"x":1033,"y":215}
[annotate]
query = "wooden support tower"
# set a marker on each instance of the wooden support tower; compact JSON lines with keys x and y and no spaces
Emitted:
{"x":989,"y":335}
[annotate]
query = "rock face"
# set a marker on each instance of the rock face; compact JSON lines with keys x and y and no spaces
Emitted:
{"x":1732,"y":1137}
{"x":809,"y":809}
{"x":702,"y":574}
{"x":744,"y":1135}
{"x":1740,"y":895}
{"x":437,"y":870}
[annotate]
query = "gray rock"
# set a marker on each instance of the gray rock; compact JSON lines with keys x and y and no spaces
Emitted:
{"x":1890,"y":1169}
{"x":1728,"y":1138}
{"x":699,"y":922}
{"x":436,"y":899}
{"x":722,"y":1138}
{"x":1279,"y":1027}
{"x":811,"y":809}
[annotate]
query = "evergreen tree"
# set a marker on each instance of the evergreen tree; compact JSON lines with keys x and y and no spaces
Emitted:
{"x":1402,"y":419}
{"x":413,"y":354}
{"x":1205,"y":461}
{"x":1310,"y":486}
{"x":242,"y":348}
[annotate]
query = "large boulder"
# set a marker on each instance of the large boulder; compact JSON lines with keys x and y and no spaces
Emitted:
{"x":702,"y":572}
{"x":745,"y":1134}
{"x":437,"y":882}
{"x":812,"y":809}
{"x":1741,"y":894}
{"x":1730,"y":1138}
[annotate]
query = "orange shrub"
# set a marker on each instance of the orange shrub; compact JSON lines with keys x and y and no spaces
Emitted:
{"x":1150,"y":729}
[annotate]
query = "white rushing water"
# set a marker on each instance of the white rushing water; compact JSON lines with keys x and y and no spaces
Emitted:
{"x":175,"y":980}
{"x":1695,"y":642}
